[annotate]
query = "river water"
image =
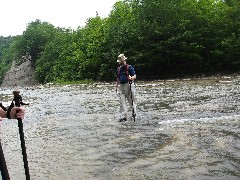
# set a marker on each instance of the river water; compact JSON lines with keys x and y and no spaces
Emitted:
{"x":185,"y":129}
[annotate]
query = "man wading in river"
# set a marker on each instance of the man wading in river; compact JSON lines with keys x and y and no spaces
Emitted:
{"x":125,"y":77}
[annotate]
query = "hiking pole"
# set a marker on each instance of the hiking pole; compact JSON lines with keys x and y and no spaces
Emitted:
{"x":17,"y":98}
{"x":133,"y":113}
{"x":3,"y":165}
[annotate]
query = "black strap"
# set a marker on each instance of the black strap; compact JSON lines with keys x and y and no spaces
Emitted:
{"x":9,"y":110}
{"x":4,"y":108}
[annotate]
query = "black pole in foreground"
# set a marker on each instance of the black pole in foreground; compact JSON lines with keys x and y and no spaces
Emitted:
{"x":3,"y":165}
{"x":133,"y":113}
{"x":20,"y":126}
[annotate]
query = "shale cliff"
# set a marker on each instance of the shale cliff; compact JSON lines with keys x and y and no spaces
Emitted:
{"x":20,"y":75}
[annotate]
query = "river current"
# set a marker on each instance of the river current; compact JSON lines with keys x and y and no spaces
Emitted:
{"x":185,"y":129}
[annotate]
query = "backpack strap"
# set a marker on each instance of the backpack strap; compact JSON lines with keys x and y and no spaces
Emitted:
{"x":118,"y":74}
{"x":127,"y":73}
{"x":127,"y":69}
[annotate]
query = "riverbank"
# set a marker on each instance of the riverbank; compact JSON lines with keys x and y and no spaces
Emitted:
{"x":24,"y":76}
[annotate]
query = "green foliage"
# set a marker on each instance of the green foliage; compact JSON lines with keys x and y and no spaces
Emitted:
{"x":5,"y":54}
{"x":34,"y":39}
{"x":91,"y":42}
{"x":160,"y":38}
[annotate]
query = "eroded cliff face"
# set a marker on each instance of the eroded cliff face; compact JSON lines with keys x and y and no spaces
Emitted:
{"x":20,"y":75}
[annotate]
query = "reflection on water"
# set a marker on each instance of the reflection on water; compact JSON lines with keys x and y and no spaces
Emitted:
{"x":184,"y":130}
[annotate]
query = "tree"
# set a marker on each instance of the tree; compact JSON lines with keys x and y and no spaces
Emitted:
{"x":34,"y":39}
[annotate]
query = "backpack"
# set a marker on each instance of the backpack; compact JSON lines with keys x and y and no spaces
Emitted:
{"x":127,"y":74}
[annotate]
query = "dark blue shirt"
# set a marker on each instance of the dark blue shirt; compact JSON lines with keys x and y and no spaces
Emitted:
{"x":123,"y":73}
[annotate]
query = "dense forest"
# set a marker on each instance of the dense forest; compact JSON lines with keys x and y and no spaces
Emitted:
{"x":161,"y":38}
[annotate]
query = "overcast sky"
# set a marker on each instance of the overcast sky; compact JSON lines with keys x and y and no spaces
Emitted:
{"x":16,"y":14}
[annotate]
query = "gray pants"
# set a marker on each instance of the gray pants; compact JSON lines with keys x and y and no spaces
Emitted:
{"x":125,"y":94}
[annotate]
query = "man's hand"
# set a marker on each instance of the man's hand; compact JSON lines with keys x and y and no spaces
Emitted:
{"x":20,"y":114}
{"x":131,"y":78}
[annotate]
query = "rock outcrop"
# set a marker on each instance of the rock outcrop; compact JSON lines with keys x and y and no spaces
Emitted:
{"x":20,"y":75}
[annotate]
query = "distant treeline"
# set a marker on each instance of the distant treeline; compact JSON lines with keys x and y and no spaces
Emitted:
{"x":160,"y":38}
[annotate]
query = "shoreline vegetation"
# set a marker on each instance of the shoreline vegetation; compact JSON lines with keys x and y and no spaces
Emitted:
{"x":218,"y":78}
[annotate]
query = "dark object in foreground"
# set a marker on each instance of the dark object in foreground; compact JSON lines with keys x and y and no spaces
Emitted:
{"x":3,"y":165}
{"x":18,"y":101}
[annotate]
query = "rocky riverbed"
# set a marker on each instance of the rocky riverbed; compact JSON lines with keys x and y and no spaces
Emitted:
{"x":185,"y":129}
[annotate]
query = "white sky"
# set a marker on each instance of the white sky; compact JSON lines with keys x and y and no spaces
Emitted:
{"x":16,"y":14}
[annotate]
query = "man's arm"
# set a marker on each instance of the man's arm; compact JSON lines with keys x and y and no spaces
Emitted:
{"x":132,"y":74}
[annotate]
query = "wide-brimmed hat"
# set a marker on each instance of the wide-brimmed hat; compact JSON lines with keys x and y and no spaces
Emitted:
{"x":121,"y":58}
